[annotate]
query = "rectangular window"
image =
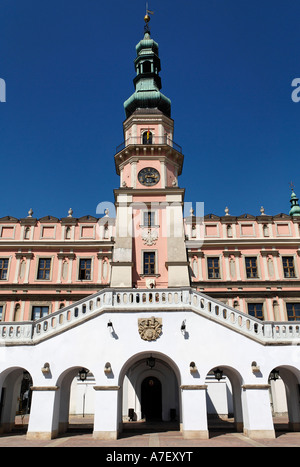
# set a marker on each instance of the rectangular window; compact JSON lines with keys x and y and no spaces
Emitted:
{"x":85,"y":266}
{"x":288,"y":266}
{"x":1,"y":312}
{"x":3,"y":269}
{"x":149,"y":262}
{"x":293,"y":311}
{"x":213,"y":268}
{"x":256,"y":310}
{"x":251,"y":267}
{"x":149,"y":218}
{"x":39,"y":312}
{"x":44,"y":268}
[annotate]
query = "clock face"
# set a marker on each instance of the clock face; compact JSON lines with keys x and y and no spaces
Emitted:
{"x":148,"y":176}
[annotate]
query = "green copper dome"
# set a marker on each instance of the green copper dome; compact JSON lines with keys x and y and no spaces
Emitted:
{"x":295,"y":210}
{"x":147,"y":82}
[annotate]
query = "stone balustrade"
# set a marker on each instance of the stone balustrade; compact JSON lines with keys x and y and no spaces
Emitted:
{"x":31,"y":332}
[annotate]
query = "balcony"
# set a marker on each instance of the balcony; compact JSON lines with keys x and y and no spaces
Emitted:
{"x":153,"y":141}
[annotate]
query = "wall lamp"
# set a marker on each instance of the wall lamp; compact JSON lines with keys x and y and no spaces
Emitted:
{"x":83,"y":374}
{"x":110,"y":327}
{"x":255,"y":368}
{"x":107,"y":368}
{"x":274,"y":375}
{"x":218,"y":374}
{"x":46,"y":368}
{"x":183,"y":327}
{"x":151,"y":362}
{"x":193,"y":368}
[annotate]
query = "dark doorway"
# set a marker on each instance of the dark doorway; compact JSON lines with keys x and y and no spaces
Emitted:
{"x":151,"y":398}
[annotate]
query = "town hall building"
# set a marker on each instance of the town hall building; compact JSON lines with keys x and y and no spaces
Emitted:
{"x":149,"y":315}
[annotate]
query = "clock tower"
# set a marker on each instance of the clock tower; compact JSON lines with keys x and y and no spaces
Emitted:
{"x":149,"y":248}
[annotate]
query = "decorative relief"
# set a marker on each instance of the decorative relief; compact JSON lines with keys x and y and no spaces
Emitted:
{"x":150,"y":328}
{"x":149,"y":236}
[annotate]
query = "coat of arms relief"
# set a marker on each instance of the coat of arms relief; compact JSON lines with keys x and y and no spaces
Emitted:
{"x":150,"y":328}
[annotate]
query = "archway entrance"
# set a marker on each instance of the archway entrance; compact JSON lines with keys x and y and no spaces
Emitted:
{"x":149,"y":392}
{"x":151,"y":399}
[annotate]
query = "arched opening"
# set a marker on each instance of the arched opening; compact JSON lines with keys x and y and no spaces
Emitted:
{"x":284,"y":398}
{"x":149,"y":392}
{"x":147,"y":67}
{"x":224,"y":404}
{"x":74,"y":402}
{"x":147,"y":137}
{"x":15,"y":400}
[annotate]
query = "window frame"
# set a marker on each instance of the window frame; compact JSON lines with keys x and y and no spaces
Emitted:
{"x":44,"y":258}
{"x":4,"y":269}
{"x":209,"y":258}
{"x":79,"y":278}
{"x":145,"y":252}
{"x":255,"y":311}
{"x":284,"y":267}
{"x":250,"y":258}
{"x":36,"y":305}
{"x":287,"y":311}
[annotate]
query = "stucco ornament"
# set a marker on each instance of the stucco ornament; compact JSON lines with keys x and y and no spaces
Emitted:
{"x":150,"y":328}
{"x":150,"y":236}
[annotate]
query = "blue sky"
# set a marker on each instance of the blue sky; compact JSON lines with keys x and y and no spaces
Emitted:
{"x":227,"y":66}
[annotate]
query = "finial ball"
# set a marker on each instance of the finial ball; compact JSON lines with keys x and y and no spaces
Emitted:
{"x":146,"y":18}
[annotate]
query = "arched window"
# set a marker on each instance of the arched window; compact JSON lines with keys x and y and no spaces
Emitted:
{"x":147,"y":137}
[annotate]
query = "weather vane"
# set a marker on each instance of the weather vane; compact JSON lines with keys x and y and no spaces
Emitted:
{"x":147,"y":18}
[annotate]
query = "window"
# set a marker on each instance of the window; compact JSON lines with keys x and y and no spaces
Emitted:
{"x":44,"y":269}
{"x":1,"y":312}
{"x":147,"y":137}
{"x":3,"y":269}
{"x":288,"y":266}
{"x":256,"y":310}
{"x":39,"y":311}
{"x":251,"y":267}
{"x":213,"y":268}
{"x":293,"y":311}
{"x":85,"y":266}
{"x":149,"y":218}
{"x":149,"y":262}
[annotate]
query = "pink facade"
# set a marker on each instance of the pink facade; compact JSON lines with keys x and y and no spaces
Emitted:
{"x":240,"y":260}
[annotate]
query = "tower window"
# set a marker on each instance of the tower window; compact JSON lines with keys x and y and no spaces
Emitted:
{"x":149,"y":262}
{"x":149,"y":218}
{"x":147,"y":67}
{"x":147,"y":137}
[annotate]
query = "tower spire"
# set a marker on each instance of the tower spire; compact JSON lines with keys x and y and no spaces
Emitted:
{"x":295,"y":209}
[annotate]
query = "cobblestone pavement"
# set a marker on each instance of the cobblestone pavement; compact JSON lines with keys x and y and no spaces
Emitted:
{"x":221,"y":434}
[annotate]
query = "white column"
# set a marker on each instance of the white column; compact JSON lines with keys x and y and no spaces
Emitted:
{"x":106,"y":410}
{"x":42,"y":423}
{"x":257,"y":414}
{"x":194,"y":412}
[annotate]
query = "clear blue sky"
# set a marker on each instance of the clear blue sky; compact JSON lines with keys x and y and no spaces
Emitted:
{"x":227,"y":66}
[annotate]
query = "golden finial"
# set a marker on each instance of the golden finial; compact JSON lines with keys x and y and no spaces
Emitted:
{"x":292,"y":186}
{"x":147,"y":17}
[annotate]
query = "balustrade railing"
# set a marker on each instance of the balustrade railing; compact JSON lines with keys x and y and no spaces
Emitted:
{"x":30,"y":332}
{"x":154,"y":140}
